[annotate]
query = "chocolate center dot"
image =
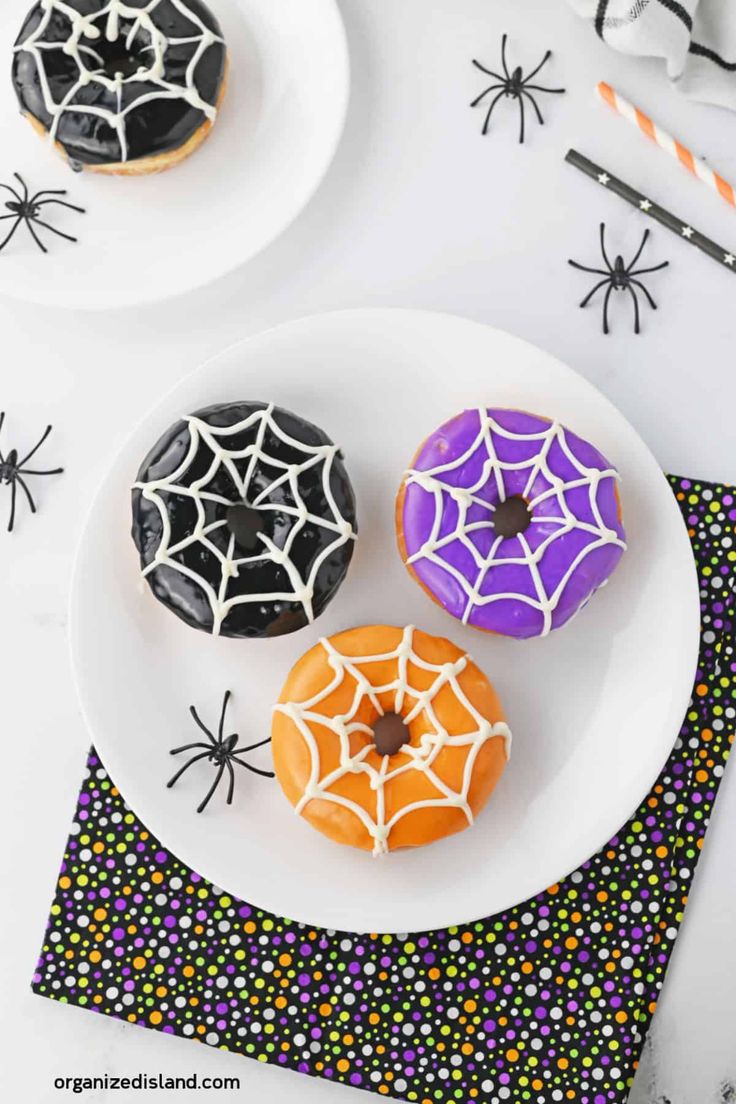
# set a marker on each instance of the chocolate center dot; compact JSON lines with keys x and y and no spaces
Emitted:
{"x":245,"y":524}
{"x":511,"y":517}
{"x":390,"y":734}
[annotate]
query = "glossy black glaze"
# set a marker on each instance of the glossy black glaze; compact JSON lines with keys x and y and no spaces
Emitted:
{"x":183,"y":595}
{"x":154,"y":127}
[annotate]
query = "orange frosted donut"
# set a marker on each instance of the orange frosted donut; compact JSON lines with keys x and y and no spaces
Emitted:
{"x":348,"y":764}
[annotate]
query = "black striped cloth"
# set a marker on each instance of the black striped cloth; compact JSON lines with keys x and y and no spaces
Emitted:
{"x":696,"y":38}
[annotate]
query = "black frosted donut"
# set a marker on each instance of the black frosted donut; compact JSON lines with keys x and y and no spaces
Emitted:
{"x":244,"y":518}
{"x":115,"y":81}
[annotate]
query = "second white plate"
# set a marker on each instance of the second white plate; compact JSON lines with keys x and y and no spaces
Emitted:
{"x":146,"y":239}
{"x":594,"y":708}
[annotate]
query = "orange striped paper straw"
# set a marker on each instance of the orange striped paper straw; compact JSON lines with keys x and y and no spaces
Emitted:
{"x":665,"y":141}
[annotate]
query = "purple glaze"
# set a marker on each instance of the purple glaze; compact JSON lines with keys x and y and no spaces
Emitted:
{"x":507,"y":442}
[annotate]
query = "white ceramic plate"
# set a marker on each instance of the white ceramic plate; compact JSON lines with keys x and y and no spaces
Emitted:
{"x":595,"y":707}
{"x":147,"y":239}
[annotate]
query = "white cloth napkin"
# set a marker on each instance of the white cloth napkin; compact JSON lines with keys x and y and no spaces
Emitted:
{"x":697,"y":39}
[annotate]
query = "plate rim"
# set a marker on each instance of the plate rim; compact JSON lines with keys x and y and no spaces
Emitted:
{"x":418,"y":314}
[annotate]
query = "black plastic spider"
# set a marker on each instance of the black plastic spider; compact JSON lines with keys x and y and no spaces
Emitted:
{"x":26,"y":209}
{"x":221,"y":752}
{"x":515,"y":85}
{"x":619,"y":277}
{"x":12,"y":471}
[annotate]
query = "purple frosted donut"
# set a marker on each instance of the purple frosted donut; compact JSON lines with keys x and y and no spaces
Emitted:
{"x":509,"y":521}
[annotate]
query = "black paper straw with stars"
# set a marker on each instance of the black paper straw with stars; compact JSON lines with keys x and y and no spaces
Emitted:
{"x":648,"y":207}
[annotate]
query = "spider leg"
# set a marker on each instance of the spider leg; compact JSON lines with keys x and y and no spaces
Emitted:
{"x":642,"y":271}
{"x":11,"y":215}
{"x":53,"y":230}
{"x":188,"y":747}
{"x":541,"y":88}
{"x":35,"y":448}
{"x":489,"y":72}
{"x":503,"y":57}
{"x":584,"y":268}
{"x":201,"y":807}
{"x":203,"y":727}
{"x":490,"y":88}
{"x":30,"y":471}
{"x":179,"y":773}
{"x":221,"y":729}
{"x":603,"y":246}
{"x":605,"y":310}
{"x":534,"y":105}
{"x":12,"y":508}
{"x":638,"y":252}
{"x":252,"y":747}
{"x":254,"y":770}
{"x":544,"y":61}
{"x":521,"y":132}
{"x":231,"y":787}
{"x":17,"y":224}
{"x":29,"y":496}
{"x":34,"y":235}
{"x":61,"y":203}
{"x":23,"y":185}
{"x":636,"y":308}
{"x":47,"y":191}
{"x":494,"y":101}
{"x":591,"y":293}
{"x":12,"y":192}
{"x":639,"y":284}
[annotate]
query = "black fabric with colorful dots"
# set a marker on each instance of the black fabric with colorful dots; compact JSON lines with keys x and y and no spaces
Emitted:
{"x":549,"y":1001}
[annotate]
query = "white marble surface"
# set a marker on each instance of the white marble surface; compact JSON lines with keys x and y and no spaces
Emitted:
{"x":417,"y":210}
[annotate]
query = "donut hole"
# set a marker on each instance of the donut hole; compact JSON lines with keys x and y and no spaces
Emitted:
{"x":116,"y":55}
{"x":512,"y":516}
{"x":390,"y":734}
{"x":245,"y":524}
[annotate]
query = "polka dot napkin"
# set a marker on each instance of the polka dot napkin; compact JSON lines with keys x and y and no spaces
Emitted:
{"x":549,"y":1001}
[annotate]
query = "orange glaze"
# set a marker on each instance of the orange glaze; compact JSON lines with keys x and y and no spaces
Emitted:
{"x":294,"y":759}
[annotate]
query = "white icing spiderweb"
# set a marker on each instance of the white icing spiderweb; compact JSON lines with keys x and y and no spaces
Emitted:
{"x":409,"y":701}
{"x":540,"y":487}
{"x":86,"y":29}
{"x":282,"y":495}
